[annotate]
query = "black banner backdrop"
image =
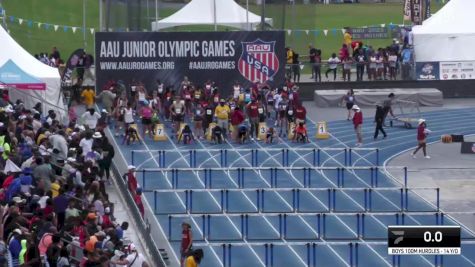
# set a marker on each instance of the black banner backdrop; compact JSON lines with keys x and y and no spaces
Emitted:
{"x":223,"y":57}
{"x":72,"y":63}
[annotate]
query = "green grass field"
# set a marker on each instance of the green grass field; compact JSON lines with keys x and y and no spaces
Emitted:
{"x":306,"y":17}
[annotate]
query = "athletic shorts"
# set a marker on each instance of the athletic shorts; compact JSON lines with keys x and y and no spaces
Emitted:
{"x":178,"y":118}
{"x":146,"y":121}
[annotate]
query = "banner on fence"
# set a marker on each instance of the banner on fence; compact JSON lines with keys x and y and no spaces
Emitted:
{"x":457,"y":70}
{"x":223,"y":57}
{"x":427,"y":70}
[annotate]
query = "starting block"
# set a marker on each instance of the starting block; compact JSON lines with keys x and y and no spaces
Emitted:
{"x":159,"y":133}
{"x":322,"y":130}
{"x":291,"y":132}
{"x":262,"y":130}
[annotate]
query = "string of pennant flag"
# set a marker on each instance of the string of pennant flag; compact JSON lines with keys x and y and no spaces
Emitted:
{"x":47,"y":26}
{"x":66,"y":28}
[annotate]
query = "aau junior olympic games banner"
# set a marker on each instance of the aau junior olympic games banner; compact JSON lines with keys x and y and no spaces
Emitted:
{"x":224,"y":57}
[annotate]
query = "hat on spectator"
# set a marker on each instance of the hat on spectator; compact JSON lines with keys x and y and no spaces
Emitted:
{"x":71,"y":159}
{"x":100,"y":233}
{"x":17,"y":231}
{"x":132,"y":247}
{"x":131,"y":167}
{"x":104,"y":111}
{"x":421,"y":121}
{"x":107,"y":210}
{"x":97,"y":135}
{"x":18,"y":200}
{"x":355,"y":107}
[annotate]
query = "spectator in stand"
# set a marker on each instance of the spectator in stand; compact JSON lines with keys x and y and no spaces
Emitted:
{"x":392,"y":59}
{"x":90,"y":118}
{"x":312,"y":56}
{"x":318,"y":66}
{"x":55,"y":53}
{"x":296,"y":67}
{"x":347,"y":63}
{"x":107,"y":98}
{"x":290,"y":61}
{"x":222,"y":112}
{"x":372,"y":73}
{"x":88,"y":96}
{"x":347,"y":38}
{"x":237,"y":118}
{"x":406,"y":56}
{"x":358,"y":124}
{"x":253,"y":115}
{"x":80,"y":67}
{"x":333,"y":62}
{"x":361,"y":60}
{"x":379,"y":65}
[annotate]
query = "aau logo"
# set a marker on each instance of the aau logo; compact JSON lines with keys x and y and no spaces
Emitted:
{"x":258,"y":61}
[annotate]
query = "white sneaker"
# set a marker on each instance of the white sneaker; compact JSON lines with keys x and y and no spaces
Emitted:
{"x":252,"y":138}
{"x":258,"y":139}
{"x":413,"y":155}
{"x":427,"y":157}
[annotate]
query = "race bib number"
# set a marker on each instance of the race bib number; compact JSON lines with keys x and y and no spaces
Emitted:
{"x":197,"y":96}
{"x":260,"y":110}
{"x":187,"y":96}
{"x":133,"y":88}
{"x":178,"y":110}
{"x":216,"y":99}
{"x":209,"y":112}
{"x":198,"y":112}
{"x":290,"y":112}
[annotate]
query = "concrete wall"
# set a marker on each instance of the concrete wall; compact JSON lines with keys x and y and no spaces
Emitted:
{"x":450,"y":89}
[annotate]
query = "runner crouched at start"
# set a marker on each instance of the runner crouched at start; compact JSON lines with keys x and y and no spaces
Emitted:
{"x":301,"y":133}
{"x":186,"y":135}
{"x":217,"y":135}
{"x":242,"y":133}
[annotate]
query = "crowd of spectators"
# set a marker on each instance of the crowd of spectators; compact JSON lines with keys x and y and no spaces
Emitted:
{"x":384,"y":63}
{"x":55,"y":209}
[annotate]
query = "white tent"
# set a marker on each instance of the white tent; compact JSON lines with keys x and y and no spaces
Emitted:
{"x":211,"y":12}
{"x":449,"y":35}
{"x":51,"y":98}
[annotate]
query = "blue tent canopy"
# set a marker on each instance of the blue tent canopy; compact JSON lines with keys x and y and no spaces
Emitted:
{"x":12,"y":76}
